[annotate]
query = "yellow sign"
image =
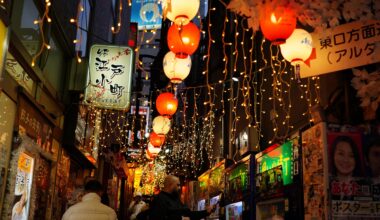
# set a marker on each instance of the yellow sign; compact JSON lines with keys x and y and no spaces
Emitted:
{"x":343,"y":47}
{"x":3,"y":45}
{"x":25,"y":163}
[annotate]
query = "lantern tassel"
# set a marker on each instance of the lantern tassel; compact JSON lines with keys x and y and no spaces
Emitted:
{"x":297,"y":73}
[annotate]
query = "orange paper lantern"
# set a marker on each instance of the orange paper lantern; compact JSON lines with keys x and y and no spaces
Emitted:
{"x":156,"y":140}
{"x":277,"y":24}
{"x":166,"y":104}
{"x":183,"y":40}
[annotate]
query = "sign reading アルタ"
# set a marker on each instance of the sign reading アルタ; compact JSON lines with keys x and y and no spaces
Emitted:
{"x":110,"y":77}
{"x":343,"y":47}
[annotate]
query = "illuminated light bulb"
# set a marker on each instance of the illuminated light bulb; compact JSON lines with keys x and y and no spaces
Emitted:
{"x":72,"y":20}
{"x":48,"y":46}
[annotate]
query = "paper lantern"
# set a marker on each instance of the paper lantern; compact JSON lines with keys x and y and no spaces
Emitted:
{"x":166,"y":104}
{"x":298,"y":47}
{"x":161,"y":125}
{"x":277,"y":24}
{"x":180,"y":11}
{"x":176,"y":69}
{"x":153,"y":150}
{"x":183,"y":40}
{"x":155,"y":140}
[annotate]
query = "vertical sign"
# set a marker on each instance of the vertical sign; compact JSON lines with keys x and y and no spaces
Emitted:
{"x":147,"y":13}
{"x":3,"y":45}
{"x":110,"y":77}
{"x":343,"y":47}
{"x":23,"y":187}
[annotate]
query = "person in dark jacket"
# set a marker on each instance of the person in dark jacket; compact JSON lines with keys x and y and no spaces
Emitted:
{"x":167,"y":204}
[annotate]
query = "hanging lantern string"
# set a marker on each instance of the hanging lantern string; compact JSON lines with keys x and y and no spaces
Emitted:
{"x":40,"y":23}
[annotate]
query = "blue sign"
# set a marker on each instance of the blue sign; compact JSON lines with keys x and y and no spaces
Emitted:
{"x":147,"y":13}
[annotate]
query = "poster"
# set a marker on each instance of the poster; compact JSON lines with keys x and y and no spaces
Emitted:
{"x":314,"y":172}
{"x":147,"y":13}
{"x":110,"y":77}
{"x":23,"y":186}
{"x":353,"y":193}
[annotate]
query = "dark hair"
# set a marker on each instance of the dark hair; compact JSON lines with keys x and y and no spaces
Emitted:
{"x":93,"y":186}
{"x":354,"y":150}
{"x":374,"y":141}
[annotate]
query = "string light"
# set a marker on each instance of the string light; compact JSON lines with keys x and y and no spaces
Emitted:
{"x":40,"y":23}
{"x":119,"y":15}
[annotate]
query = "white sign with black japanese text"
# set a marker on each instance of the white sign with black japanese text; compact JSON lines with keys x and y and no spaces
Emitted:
{"x":343,"y":47}
{"x":110,"y":77}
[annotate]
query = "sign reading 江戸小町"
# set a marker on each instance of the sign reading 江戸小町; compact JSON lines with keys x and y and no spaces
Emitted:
{"x":110,"y":76}
{"x":343,"y":47}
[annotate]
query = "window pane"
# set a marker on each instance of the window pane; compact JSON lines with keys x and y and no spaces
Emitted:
{"x":23,"y":15}
{"x":54,"y":69}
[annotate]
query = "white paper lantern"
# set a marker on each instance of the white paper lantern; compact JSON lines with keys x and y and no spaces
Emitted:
{"x":153,"y":150}
{"x":298,"y":47}
{"x":180,"y":11}
{"x":161,"y":125}
{"x":176,"y":69}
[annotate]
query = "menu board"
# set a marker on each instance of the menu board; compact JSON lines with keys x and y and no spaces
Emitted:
{"x":237,"y":182}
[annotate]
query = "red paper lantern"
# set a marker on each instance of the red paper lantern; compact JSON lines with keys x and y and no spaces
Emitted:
{"x":156,"y":140}
{"x":183,"y":40}
{"x":277,"y":24}
{"x":166,"y":104}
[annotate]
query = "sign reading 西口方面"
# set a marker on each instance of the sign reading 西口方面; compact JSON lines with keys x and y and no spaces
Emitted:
{"x":110,"y":77}
{"x":343,"y":47}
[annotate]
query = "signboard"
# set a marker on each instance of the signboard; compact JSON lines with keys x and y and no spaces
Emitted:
{"x":18,"y":73}
{"x":276,"y":156}
{"x":23,"y":186}
{"x":343,"y":47}
{"x":147,"y":13}
{"x":314,"y":157}
{"x":35,"y":124}
{"x":3,"y":44}
{"x":110,"y":77}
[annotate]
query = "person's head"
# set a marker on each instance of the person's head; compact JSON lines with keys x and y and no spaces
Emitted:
{"x":138,"y":197}
{"x":345,"y":155}
{"x":372,"y":154}
{"x":172,"y":185}
{"x":93,"y":186}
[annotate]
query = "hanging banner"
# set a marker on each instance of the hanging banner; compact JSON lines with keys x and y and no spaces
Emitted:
{"x":110,"y":77}
{"x":3,"y":45}
{"x":343,"y":47}
{"x":23,"y":187}
{"x":147,"y":13}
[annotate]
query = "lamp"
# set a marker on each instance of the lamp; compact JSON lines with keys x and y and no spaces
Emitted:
{"x":155,"y":140}
{"x":298,"y":47}
{"x":161,"y":125}
{"x":183,"y":40}
{"x":166,"y":104}
{"x":176,"y":69}
{"x":277,"y":24}
{"x":180,"y":11}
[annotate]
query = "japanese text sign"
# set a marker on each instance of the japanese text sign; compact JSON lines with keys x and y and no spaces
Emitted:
{"x":147,"y":13}
{"x":343,"y":47}
{"x":36,"y":125}
{"x":110,"y":77}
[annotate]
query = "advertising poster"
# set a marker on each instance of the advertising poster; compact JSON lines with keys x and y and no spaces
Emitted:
{"x":147,"y":13}
{"x":353,"y":193}
{"x":23,"y":186}
{"x":314,"y":167}
{"x":274,"y":209}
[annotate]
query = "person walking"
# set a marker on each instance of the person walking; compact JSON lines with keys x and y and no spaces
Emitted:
{"x":136,"y":206}
{"x":90,"y":207}
{"x":167,"y":204}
